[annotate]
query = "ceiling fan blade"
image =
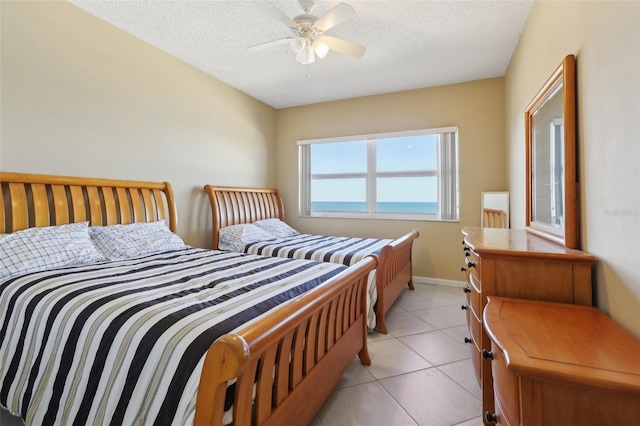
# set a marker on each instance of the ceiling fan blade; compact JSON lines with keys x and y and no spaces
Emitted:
{"x":277,"y":13}
{"x":269,"y":44}
{"x":342,"y":46}
{"x":333,"y":17}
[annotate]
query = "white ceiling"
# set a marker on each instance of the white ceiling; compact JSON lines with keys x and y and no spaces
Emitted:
{"x":409,"y":43}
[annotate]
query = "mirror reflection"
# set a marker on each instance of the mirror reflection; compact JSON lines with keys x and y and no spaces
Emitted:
{"x":495,"y":209}
{"x":548,"y":161}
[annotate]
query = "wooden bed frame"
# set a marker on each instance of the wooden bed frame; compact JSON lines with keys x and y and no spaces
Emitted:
{"x":295,"y":355}
{"x":237,"y":205}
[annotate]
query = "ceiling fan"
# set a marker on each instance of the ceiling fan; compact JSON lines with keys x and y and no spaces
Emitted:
{"x":309,"y":39}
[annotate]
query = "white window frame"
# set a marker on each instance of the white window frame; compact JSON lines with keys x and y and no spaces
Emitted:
{"x":447,"y":175}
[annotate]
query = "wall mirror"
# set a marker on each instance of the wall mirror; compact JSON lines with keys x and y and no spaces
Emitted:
{"x":495,"y":209}
{"x":550,"y":123}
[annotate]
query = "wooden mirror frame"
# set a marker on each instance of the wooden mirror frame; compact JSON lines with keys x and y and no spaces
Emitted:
{"x":568,"y":236}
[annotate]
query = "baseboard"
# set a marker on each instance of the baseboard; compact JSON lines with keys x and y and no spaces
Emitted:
{"x":438,"y":281}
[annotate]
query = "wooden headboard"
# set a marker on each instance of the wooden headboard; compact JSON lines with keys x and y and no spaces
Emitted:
{"x":236,"y":205}
{"x":28,"y":200}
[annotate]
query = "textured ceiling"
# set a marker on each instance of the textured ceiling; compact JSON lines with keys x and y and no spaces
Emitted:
{"x":409,"y":43}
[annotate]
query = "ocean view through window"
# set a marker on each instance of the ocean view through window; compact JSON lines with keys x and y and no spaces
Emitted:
{"x":401,"y":175}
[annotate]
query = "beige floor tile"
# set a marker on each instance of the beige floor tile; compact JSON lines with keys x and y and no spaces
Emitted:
{"x":437,"y":347}
{"x":375,"y":336}
{"x":403,"y":323}
{"x":432,"y":398}
{"x":356,"y":374}
{"x":476,"y":421}
{"x":411,"y":300}
{"x":391,"y":357}
{"x":462,"y":373}
{"x":459,"y":332}
{"x":441,"y":295}
{"x":443,"y":316}
{"x":366,"y":404}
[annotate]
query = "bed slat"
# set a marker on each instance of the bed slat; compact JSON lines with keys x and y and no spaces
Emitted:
{"x":124,"y":205}
{"x":138,"y":216}
{"x":60,"y":204}
{"x":159,"y":206}
{"x":148,"y":205}
{"x":264,"y":397}
{"x":282,"y":369}
{"x":19,"y":214}
{"x":79,"y":206}
{"x":311,"y":342}
{"x":40,"y":205}
{"x":297,"y":357}
{"x":244,"y":391}
{"x":110,"y":208}
{"x":95,"y":206}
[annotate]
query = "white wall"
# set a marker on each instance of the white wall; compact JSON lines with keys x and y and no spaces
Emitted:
{"x":605,"y":37}
{"x":83,"y":98}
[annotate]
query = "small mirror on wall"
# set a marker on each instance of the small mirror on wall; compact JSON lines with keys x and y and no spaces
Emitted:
{"x":495,"y":209}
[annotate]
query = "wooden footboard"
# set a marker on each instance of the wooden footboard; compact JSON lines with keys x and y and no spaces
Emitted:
{"x":294,"y":356}
{"x":393,"y":274}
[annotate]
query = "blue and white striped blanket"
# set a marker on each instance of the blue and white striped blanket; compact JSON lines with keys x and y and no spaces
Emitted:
{"x":123,"y":342}
{"x":342,"y":250}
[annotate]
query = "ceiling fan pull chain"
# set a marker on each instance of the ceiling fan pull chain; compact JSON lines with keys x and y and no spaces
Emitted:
{"x":307,"y":73}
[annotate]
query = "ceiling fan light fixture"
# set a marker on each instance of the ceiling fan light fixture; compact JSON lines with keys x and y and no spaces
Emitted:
{"x":298,"y":44}
{"x":320,"y":48}
{"x":306,"y":56}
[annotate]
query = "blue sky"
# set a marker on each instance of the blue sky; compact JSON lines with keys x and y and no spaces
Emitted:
{"x":393,"y":154}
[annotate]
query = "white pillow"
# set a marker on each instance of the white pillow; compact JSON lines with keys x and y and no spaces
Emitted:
{"x":236,"y":237}
{"x":38,"y":249}
{"x":276,"y":227}
{"x":118,"y":242}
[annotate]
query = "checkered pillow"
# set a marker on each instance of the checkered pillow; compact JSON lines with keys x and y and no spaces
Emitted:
{"x":276,"y":227}
{"x":38,"y":249}
{"x":118,"y":242}
{"x":236,"y":237}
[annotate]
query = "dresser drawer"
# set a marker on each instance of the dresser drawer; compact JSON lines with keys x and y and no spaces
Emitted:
{"x":472,"y":264}
{"x":474,"y":296}
{"x":505,"y":388}
{"x":476,"y":360}
{"x":475,"y":326}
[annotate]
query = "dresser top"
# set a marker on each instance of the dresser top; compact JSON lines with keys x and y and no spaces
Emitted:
{"x":562,"y":341}
{"x":518,"y":242}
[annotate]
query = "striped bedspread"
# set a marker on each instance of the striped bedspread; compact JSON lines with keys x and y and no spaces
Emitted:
{"x":123,"y":343}
{"x":343,"y":250}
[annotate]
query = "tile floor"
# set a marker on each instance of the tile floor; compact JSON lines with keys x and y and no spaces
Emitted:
{"x":421,"y":372}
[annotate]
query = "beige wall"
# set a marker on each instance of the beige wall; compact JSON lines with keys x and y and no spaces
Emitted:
{"x":83,"y":98}
{"x":605,"y":38}
{"x":477,"y":108}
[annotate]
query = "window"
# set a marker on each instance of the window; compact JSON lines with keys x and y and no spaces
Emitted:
{"x":404,"y":175}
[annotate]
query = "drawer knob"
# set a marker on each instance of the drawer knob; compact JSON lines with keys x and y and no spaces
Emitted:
{"x":466,"y":290}
{"x":467,"y":340}
{"x":490,"y":418}
{"x":463,"y":269}
{"x":471,"y":264}
{"x":467,"y":254}
{"x":466,"y":248}
{"x":486,"y":354}
{"x":463,"y":307}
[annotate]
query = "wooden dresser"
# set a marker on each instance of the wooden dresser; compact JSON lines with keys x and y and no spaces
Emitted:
{"x":516,"y":264}
{"x":560,"y":364}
